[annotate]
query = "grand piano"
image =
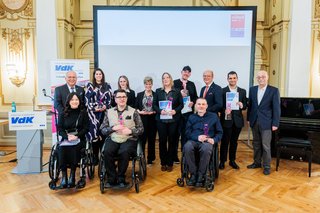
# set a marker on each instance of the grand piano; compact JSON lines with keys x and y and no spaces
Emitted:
{"x":300,"y":118}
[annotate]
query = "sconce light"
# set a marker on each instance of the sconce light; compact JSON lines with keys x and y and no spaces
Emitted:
{"x":17,"y":74}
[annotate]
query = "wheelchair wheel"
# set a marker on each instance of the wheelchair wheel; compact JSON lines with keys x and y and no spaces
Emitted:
{"x":216,"y":163}
{"x":136,"y":183}
{"x":209,"y":187}
{"x":90,"y":164}
{"x":180,"y":182}
{"x":142,"y":168}
{"x":52,"y":185}
{"x":101,"y":187}
{"x":53,"y":165}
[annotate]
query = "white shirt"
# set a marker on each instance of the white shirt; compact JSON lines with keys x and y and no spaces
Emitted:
{"x":261,"y":92}
{"x":74,"y":88}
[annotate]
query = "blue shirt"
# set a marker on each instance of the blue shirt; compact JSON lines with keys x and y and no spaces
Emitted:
{"x":196,"y":126}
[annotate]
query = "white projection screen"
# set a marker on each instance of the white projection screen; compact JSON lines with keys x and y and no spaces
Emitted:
{"x":147,"y":41}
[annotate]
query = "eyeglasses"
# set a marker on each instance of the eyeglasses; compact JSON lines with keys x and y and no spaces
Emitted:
{"x":121,"y":97}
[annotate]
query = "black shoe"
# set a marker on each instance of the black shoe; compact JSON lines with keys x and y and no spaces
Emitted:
{"x":266,"y":171}
{"x":123,"y":184}
{"x":72,"y":179}
{"x":199,"y":180}
{"x":221,"y":165}
{"x":233,"y":164}
{"x":254,"y":166}
{"x":192,"y":180}
{"x":176,"y":160}
{"x":64,"y":180}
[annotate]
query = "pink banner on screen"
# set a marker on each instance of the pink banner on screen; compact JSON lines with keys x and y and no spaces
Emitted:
{"x":237,"y":25}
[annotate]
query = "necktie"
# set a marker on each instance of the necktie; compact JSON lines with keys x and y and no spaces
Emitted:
{"x":72,"y":89}
{"x":205,"y":91}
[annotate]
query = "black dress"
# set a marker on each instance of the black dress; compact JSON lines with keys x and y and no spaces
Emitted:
{"x":75,"y":120}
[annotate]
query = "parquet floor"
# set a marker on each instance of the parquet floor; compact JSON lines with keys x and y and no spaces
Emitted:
{"x":288,"y":190}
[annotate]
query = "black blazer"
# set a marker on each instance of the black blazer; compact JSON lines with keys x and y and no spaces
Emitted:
{"x":131,"y":101}
{"x":237,"y":117}
{"x":60,"y":96}
{"x":139,"y":99}
{"x":177,"y":103}
{"x":213,"y":97}
{"x":267,"y":113}
{"x":191,"y":87}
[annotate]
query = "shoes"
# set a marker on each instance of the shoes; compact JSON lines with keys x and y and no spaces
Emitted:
{"x":163,"y":168}
{"x":233,"y":164}
{"x":72,"y":179}
{"x":221,"y":165}
{"x":169,"y":168}
{"x":266,"y":171}
{"x":254,"y":166}
{"x":64,"y":180}
{"x":176,"y":160}
{"x":123,"y":184}
{"x":192,"y":180}
{"x":199,"y":180}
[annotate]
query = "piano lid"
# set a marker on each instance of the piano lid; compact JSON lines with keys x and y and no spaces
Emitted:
{"x":307,"y":108}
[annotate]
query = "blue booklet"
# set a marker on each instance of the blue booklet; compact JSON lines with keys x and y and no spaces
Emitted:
{"x":167,"y":106}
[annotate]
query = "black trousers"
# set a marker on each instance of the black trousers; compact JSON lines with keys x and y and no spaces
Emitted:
{"x":205,"y":151}
{"x":167,"y":142}
{"x":149,"y":134}
{"x":182,"y":131}
{"x":69,"y":156}
{"x":121,"y":151}
{"x":230,"y":137}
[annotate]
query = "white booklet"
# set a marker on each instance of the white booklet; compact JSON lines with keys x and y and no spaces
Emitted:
{"x":167,"y":106}
{"x":232,"y":98}
{"x":186,"y":108}
{"x":69,"y":143}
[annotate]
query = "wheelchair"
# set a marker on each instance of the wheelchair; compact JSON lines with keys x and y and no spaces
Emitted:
{"x":212,"y":171}
{"x":86,"y":163}
{"x":136,"y":176}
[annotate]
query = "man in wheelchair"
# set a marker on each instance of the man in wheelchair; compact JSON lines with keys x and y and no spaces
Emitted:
{"x":203,"y":129}
{"x":123,"y":125}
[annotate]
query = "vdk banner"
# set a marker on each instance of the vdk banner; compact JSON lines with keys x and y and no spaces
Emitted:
{"x":27,"y":120}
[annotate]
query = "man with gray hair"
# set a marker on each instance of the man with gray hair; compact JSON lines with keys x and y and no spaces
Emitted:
{"x":264,"y":117}
{"x":61,"y":92}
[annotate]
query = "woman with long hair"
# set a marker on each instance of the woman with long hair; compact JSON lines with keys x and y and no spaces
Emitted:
{"x":168,"y":104}
{"x":123,"y":83}
{"x":98,"y":98}
{"x":72,"y":125}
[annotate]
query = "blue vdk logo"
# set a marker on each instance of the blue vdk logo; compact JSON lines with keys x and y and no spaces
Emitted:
{"x":22,"y":120}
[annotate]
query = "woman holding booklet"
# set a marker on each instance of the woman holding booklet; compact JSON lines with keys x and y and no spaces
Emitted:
{"x":73,"y":125}
{"x":168,"y":104}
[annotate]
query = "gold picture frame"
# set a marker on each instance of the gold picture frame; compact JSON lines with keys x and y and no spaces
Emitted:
{"x":14,"y":6}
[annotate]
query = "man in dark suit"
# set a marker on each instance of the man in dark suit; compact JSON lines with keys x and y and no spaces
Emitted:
{"x":61,"y":92}
{"x":263,"y":116}
{"x":232,"y":121}
{"x":187,"y":88}
{"x":211,"y":92}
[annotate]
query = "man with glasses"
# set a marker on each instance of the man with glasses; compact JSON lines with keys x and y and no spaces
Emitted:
{"x":123,"y":125}
{"x":264,"y":117}
{"x":61,"y":93}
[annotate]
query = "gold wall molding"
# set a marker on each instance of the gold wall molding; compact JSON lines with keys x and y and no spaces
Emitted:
{"x":16,"y":9}
{"x":127,"y":2}
{"x":317,"y":9}
{"x":15,"y":38}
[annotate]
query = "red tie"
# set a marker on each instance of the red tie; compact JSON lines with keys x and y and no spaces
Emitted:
{"x":205,"y":91}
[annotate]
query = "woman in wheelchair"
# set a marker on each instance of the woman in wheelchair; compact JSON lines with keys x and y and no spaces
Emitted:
{"x":72,"y":125}
{"x":123,"y":125}
{"x":203,"y":129}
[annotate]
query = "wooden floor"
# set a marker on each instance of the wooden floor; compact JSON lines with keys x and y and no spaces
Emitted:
{"x":288,"y":190}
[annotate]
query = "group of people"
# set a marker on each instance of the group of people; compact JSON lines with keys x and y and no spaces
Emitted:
{"x":120,"y":118}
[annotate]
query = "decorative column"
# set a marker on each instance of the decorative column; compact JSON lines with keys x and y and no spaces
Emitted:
{"x":46,"y":44}
{"x":299,"y":50}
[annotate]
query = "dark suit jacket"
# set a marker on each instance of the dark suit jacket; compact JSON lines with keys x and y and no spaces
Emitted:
{"x":237,"y":117}
{"x":191,"y":87}
{"x":213,"y":97}
{"x":268,"y":112}
{"x":60,"y":96}
{"x":139,"y":99}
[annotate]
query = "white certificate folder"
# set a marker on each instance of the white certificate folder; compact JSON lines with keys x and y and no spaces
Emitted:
{"x":232,"y":98}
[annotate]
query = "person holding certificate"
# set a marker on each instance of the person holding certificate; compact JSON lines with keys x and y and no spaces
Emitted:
{"x":168,"y":104}
{"x":189,"y":93}
{"x":234,"y":101}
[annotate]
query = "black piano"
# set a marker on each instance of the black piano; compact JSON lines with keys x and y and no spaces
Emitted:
{"x":300,"y":117}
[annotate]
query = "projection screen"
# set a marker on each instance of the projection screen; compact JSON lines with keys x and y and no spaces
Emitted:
{"x":147,"y":41}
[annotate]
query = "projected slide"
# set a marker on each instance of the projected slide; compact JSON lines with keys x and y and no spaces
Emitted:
{"x":147,"y":42}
